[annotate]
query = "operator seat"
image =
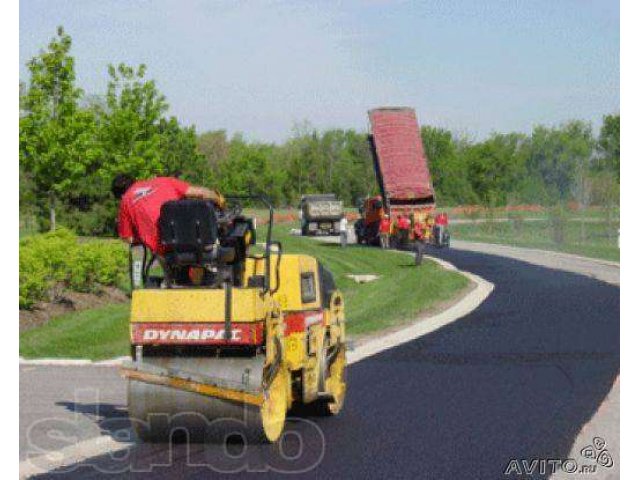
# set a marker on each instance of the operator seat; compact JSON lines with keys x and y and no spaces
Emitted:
{"x":189,"y":234}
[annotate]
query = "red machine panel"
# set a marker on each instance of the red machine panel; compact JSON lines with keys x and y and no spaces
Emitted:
{"x":195,"y":334}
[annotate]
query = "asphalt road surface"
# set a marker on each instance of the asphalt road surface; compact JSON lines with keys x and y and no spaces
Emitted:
{"x":513,"y":381}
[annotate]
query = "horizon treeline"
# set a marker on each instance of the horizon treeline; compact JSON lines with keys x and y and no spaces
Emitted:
{"x":72,"y":144}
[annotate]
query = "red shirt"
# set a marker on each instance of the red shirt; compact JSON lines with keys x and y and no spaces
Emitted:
{"x":140,"y":208}
{"x":404,"y":223}
{"x":385,"y":225}
{"x":442,"y":219}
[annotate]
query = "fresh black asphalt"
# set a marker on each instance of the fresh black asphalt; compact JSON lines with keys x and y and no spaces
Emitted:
{"x":515,"y":379}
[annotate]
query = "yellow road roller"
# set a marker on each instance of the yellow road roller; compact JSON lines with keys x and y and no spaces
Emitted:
{"x":230,"y":336}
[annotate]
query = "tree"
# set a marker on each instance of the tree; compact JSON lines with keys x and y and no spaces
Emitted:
{"x":57,"y":142}
{"x":557,"y":155}
{"x":446,"y":165}
{"x":179,"y":155}
{"x":609,"y":145}
{"x":495,"y":167}
{"x":129,"y":126}
{"x":214,"y":146}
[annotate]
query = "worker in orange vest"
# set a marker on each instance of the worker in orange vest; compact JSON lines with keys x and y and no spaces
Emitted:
{"x":385,"y":231}
{"x":404,"y":225}
{"x":440,"y":227}
{"x":442,"y":219}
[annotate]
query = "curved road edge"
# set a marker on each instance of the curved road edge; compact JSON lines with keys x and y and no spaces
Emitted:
{"x":604,"y":270}
{"x":107,"y":445}
{"x":427,"y":323}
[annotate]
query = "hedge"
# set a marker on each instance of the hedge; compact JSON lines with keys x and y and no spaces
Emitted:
{"x":55,"y":261}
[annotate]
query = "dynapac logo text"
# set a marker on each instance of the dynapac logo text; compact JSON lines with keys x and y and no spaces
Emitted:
{"x":192,"y":334}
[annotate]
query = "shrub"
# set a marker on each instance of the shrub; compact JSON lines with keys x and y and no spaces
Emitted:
{"x":95,"y":221}
{"x":51,"y":262}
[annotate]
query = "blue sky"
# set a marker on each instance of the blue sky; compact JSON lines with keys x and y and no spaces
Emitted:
{"x":260,"y":68}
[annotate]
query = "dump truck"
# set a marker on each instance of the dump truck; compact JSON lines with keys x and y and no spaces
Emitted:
{"x":230,"y":335}
{"x":406,"y":205}
{"x":321,"y":213}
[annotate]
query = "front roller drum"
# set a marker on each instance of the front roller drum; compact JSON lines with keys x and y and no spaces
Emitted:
{"x":161,"y":413}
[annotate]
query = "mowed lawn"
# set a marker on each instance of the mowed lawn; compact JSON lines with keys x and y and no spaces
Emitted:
{"x":401,"y":292}
{"x":591,"y":237}
{"x":95,"y":334}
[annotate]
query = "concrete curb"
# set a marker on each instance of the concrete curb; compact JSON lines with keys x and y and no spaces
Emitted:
{"x":72,"y":362}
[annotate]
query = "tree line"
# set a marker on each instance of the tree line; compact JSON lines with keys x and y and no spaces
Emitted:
{"x":72,"y":144}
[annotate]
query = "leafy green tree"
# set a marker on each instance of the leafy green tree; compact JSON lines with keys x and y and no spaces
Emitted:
{"x":609,"y":145}
{"x":357,"y":160}
{"x":447,"y":167}
{"x":558,"y":155}
{"x":214,"y":146}
{"x":179,"y":154}
{"x":495,"y":167}
{"x":57,"y":139}
{"x":249,"y":169}
{"x":130,"y":125}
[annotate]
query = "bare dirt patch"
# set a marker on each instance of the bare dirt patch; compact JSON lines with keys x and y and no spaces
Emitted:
{"x":68,"y":302}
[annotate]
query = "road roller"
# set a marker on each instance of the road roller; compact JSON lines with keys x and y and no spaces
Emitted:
{"x":229,"y":334}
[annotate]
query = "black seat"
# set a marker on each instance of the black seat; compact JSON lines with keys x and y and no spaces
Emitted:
{"x":188,"y":232}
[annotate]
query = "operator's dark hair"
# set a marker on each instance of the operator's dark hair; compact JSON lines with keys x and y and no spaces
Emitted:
{"x":121,"y":184}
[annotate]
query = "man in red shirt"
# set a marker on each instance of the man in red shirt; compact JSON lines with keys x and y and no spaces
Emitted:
{"x":404,"y":225}
{"x":442,"y":219}
{"x":142,"y":200}
{"x":403,"y":222}
{"x":385,"y":231}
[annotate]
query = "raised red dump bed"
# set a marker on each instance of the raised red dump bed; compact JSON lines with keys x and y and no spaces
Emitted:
{"x":401,"y":164}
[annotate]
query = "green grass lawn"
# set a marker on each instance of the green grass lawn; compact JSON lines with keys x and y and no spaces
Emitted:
{"x":401,"y":292}
{"x":596,"y":239}
{"x":96,"y":334}
{"x":593,"y":212}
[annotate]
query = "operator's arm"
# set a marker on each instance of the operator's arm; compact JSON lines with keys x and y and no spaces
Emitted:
{"x":205,"y":194}
{"x":125,"y":225}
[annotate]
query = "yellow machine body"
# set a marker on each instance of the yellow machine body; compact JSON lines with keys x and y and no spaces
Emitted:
{"x":296,"y":329}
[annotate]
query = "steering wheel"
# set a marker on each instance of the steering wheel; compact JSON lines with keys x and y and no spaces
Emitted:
{"x":229,"y":213}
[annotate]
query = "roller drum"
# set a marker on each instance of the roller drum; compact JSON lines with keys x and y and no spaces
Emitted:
{"x":159,"y":412}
